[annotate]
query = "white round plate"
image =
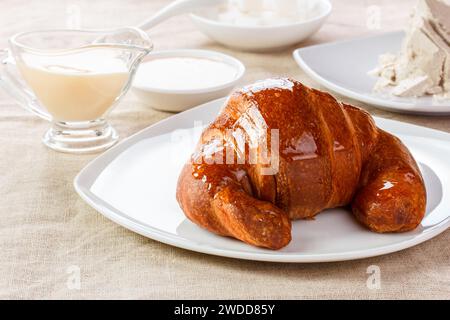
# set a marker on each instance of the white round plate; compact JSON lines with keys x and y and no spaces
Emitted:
{"x":134,"y":185}
{"x":343,"y":68}
{"x":259,"y":38}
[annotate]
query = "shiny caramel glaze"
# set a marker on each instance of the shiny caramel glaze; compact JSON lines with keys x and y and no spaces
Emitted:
{"x":328,"y":154}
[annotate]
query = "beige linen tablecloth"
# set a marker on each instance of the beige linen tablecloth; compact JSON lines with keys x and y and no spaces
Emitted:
{"x":49,"y":236}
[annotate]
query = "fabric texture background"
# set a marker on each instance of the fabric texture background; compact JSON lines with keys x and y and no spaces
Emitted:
{"x":46,"y":229}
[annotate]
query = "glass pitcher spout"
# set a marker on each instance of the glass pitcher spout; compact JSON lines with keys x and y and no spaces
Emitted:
{"x":129,"y":38}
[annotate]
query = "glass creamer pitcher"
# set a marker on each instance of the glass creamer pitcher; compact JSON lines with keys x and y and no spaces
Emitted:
{"x":73,"y":79}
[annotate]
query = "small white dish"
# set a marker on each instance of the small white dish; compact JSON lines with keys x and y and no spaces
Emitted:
{"x":343,"y":68}
{"x":259,"y":38}
{"x":134,"y":185}
{"x":174,"y":100}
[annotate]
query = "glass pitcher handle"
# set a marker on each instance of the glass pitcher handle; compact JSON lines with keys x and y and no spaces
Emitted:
{"x":15,"y":88}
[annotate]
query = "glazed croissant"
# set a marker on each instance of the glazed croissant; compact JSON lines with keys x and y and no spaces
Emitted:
{"x":280,"y":151}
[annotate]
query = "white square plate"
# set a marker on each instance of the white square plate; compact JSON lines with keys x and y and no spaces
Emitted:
{"x":343,"y":67}
{"x":134,"y":185}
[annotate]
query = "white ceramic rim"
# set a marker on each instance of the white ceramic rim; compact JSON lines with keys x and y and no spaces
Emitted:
{"x":380,"y":103}
{"x":325,"y":14}
{"x":162,"y":236}
{"x":194,"y":53}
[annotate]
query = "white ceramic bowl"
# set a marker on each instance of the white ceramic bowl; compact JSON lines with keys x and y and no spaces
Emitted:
{"x":180,"y":100}
{"x":260,"y":38}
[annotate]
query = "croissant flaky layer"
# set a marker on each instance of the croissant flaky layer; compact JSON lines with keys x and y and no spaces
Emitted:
{"x":280,"y":151}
